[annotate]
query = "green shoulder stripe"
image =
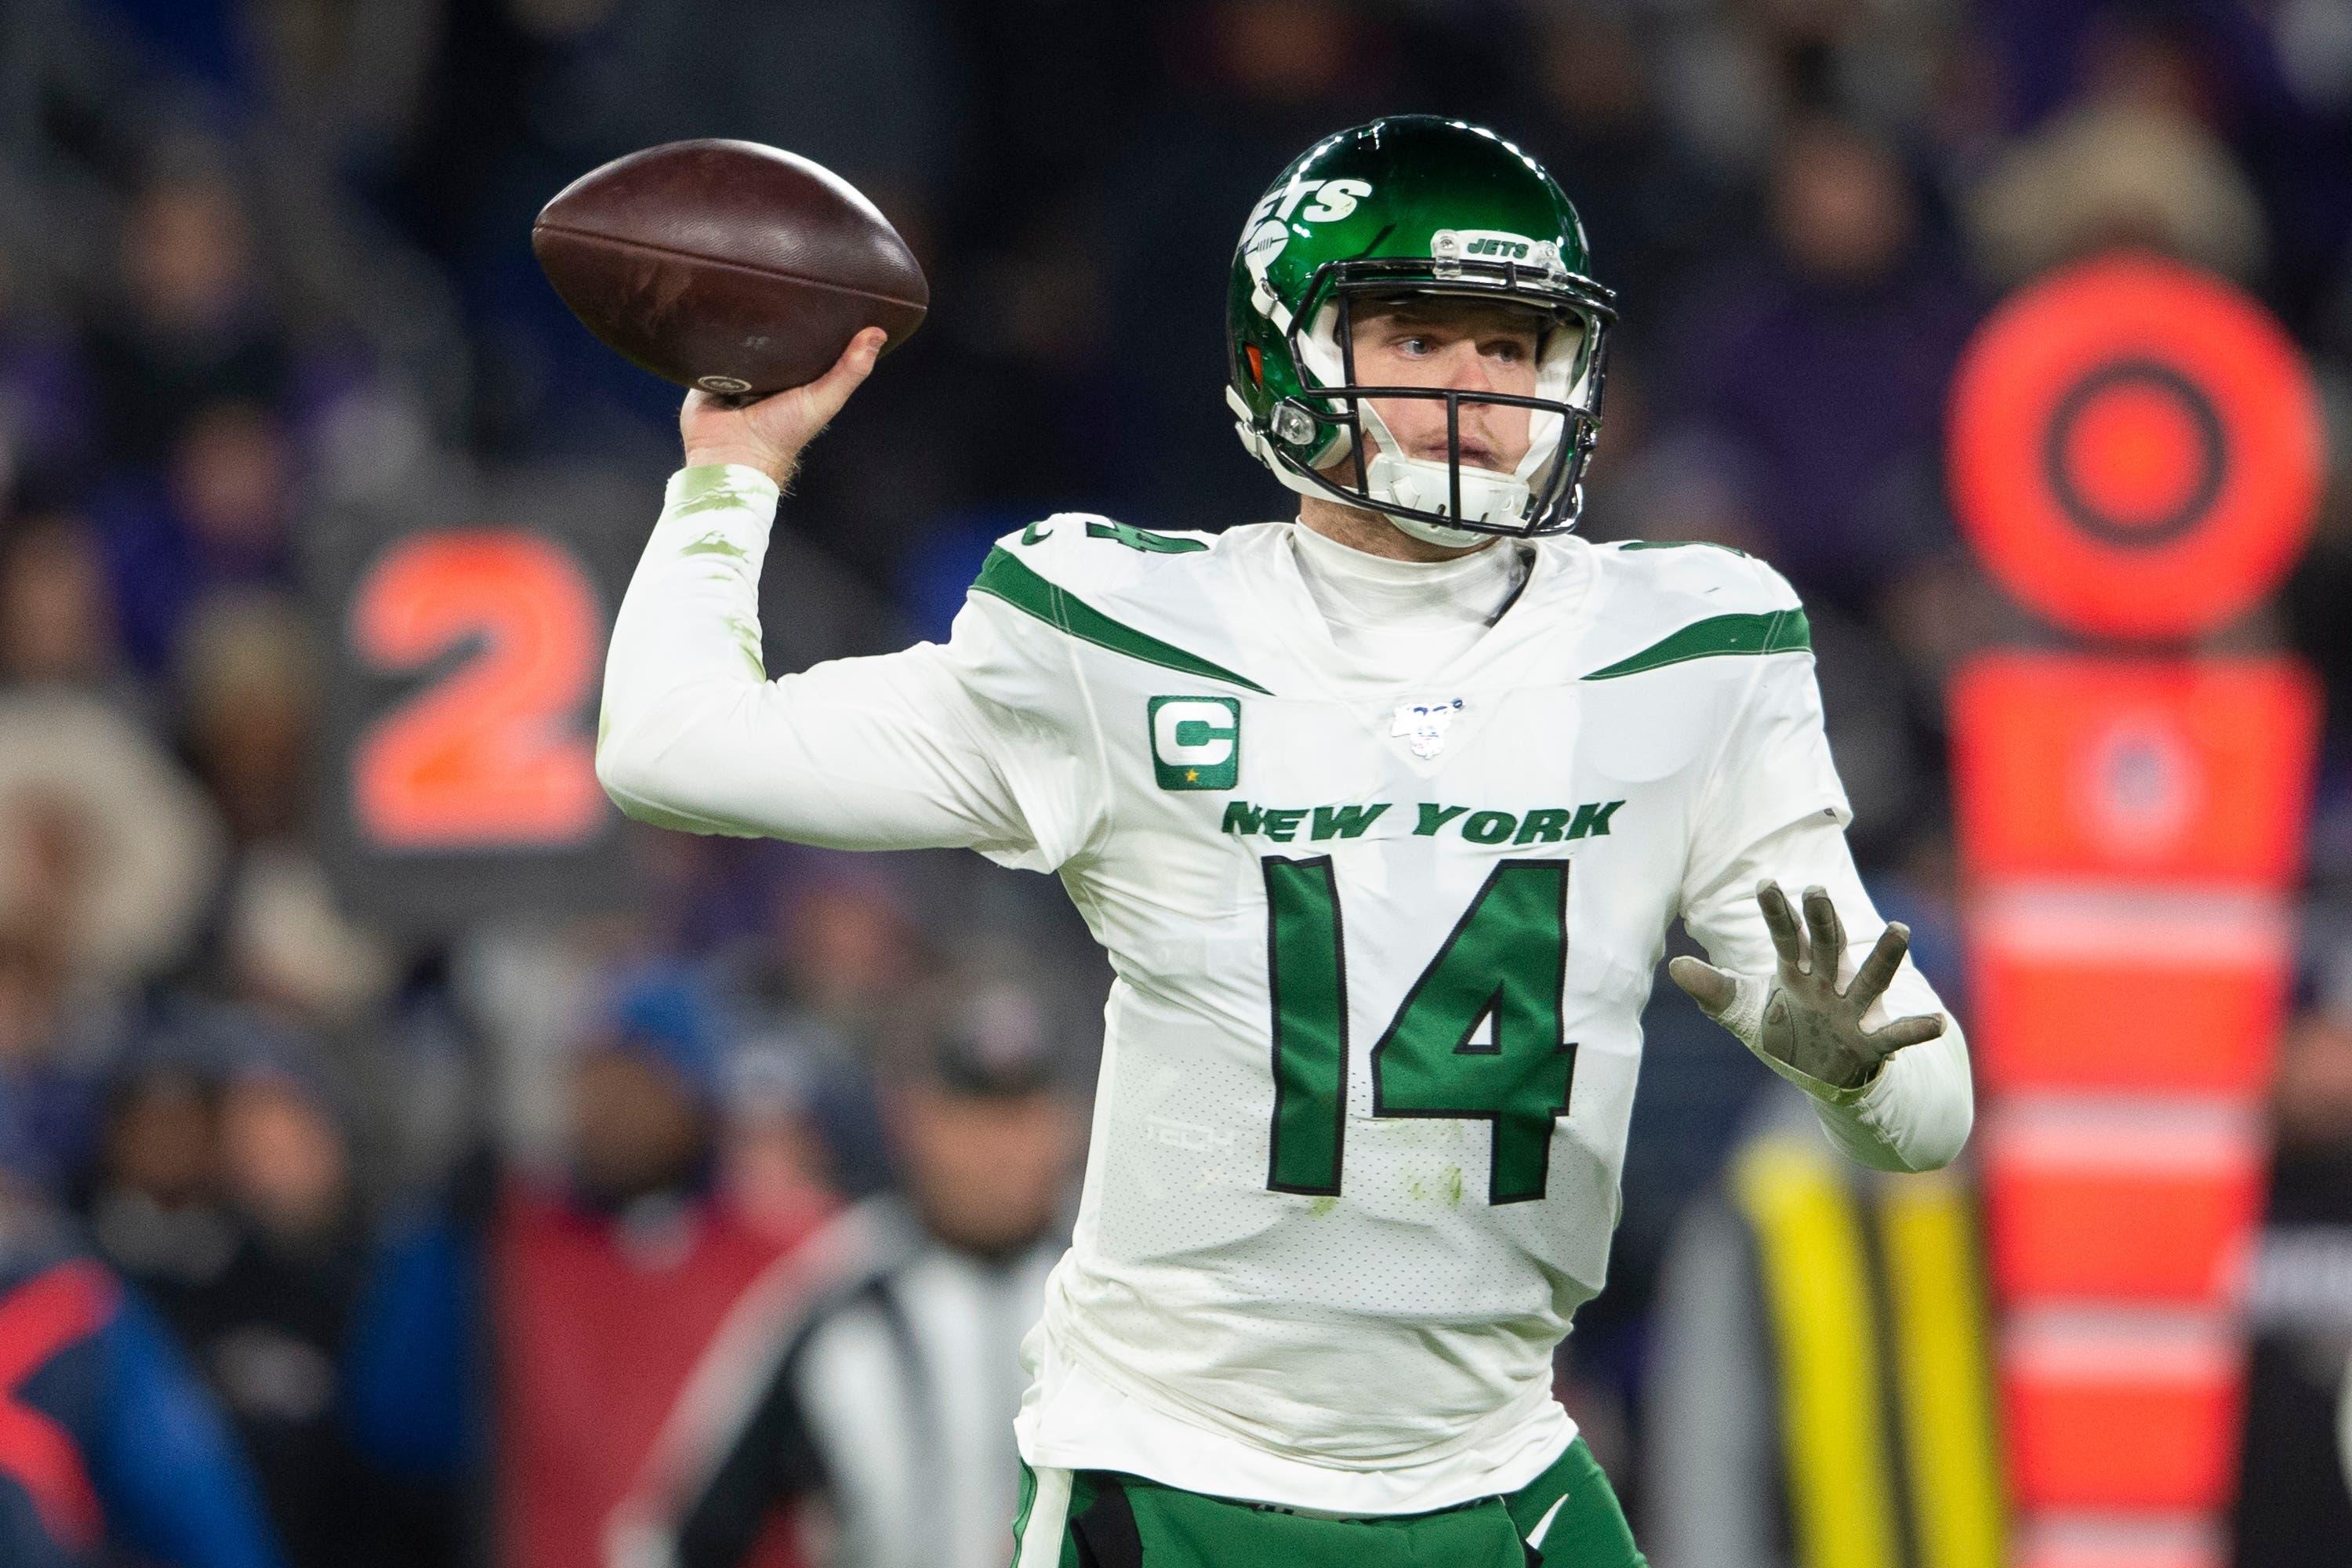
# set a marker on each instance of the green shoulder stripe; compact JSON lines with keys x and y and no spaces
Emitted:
{"x":1774,"y":631}
{"x":1681,"y":545}
{"x":1008,"y":579}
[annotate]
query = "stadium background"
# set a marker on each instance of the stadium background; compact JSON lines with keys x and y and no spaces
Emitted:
{"x":267,"y":300}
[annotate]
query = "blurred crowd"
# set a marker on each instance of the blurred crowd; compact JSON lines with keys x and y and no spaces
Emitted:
{"x":442,"y":1224}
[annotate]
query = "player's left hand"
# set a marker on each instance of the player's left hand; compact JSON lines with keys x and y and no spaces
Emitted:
{"x":1798,"y":1017}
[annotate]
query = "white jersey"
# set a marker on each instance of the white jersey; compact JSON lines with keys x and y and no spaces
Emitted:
{"x":1379,"y":953}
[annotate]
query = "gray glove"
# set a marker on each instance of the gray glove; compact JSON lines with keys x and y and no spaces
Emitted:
{"x":1798,"y":1019}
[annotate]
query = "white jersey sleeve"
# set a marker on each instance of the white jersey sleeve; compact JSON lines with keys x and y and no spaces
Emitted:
{"x":937,"y":746}
{"x":1774,"y":808}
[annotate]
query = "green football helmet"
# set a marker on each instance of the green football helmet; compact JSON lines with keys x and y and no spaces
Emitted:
{"x":1413,"y":204}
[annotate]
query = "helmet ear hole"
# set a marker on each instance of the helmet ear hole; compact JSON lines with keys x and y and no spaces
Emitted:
{"x":1256,"y":364}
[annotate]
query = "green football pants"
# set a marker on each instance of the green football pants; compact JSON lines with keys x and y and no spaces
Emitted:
{"x":1567,"y":1518}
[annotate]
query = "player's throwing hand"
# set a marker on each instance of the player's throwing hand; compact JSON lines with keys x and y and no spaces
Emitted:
{"x":1798,"y":1017}
{"x":768,"y":434}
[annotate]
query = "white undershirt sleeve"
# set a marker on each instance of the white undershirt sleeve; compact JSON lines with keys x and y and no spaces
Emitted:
{"x":887,"y":752}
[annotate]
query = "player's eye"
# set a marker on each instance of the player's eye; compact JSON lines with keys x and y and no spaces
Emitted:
{"x":1413,"y":345}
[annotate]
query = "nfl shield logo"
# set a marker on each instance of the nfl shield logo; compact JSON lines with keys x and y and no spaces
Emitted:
{"x":1423,"y":724}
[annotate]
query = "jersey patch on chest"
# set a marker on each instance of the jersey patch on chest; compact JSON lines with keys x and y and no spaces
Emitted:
{"x":1423,"y":725}
{"x":1196,"y":742}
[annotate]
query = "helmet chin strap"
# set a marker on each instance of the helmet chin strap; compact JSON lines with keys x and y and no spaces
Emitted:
{"x":1487,"y":496}
{"x":1399,"y":482}
{"x":1433,"y":533}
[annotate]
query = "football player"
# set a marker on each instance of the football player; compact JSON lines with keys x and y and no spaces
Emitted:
{"x":1382,"y":814}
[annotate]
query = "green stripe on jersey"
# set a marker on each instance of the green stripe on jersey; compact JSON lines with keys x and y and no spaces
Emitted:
{"x":1774,"y":631}
{"x":1680,"y":544}
{"x":1006,"y":576}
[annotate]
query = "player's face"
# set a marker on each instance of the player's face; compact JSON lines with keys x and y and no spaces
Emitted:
{"x":1459,"y":344}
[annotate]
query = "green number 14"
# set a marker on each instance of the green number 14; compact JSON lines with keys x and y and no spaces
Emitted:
{"x":1507,"y":958}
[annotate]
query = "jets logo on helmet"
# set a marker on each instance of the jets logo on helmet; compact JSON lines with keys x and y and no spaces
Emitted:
{"x":1333,"y":199}
{"x":1451,"y":245}
{"x":1413,"y":204}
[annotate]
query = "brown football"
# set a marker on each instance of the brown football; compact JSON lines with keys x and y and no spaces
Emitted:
{"x":736,"y":267}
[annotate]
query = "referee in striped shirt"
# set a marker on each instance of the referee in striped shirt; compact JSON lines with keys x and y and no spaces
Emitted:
{"x":862,"y":1397}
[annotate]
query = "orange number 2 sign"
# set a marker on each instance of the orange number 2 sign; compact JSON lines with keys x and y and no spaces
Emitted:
{"x":493,"y":755}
